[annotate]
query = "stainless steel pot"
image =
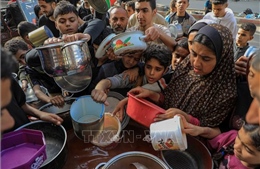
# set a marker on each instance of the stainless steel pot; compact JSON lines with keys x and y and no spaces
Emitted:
{"x":176,"y":30}
{"x":87,"y":117}
{"x":196,"y":156}
{"x":62,"y":59}
{"x":125,"y":160}
{"x":56,"y":143}
{"x":63,"y":112}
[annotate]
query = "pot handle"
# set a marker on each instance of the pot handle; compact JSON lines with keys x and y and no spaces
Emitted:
{"x":79,"y":42}
{"x":142,"y":37}
{"x":100,"y":165}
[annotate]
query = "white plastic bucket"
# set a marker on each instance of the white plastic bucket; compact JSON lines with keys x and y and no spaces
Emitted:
{"x":168,"y":135}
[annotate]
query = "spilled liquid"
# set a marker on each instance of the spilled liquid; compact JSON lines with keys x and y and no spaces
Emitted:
{"x":87,"y":156}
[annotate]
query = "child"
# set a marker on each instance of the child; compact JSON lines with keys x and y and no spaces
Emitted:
{"x":130,"y":8}
{"x":244,"y":35}
{"x":223,"y":15}
{"x":67,"y":22}
{"x":180,"y":52}
{"x":253,"y":114}
{"x":156,"y":74}
{"x":182,"y":17}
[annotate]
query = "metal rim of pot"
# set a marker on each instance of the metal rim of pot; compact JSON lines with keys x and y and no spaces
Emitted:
{"x":120,"y":97}
{"x":62,"y":154}
{"x":187,"y":158}
{"x":129,"y":154}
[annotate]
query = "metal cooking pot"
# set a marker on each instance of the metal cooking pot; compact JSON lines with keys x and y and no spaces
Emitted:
{"x":127,"y":159}
{"x":38,"y":36}
{"x":176,"y":30}
{"x":87,"y":117}
{"x":63,"y":112}
{"x":196,"y":156}
{"x":60,"y":59}
{"x":128,"y":42}
{"x":56,"y":143}
{"x":76,"y":82}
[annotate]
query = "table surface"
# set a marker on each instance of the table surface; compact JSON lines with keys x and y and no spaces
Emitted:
{"x":88,"y":156}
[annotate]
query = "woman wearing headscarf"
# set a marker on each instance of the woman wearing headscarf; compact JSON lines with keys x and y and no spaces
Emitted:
{"x":203,"y":86}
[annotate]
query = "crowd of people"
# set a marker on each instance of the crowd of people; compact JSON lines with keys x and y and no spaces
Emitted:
{"x":210,"y":76}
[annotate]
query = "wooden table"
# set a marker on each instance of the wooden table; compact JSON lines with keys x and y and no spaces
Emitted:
{"x":88,"y":156}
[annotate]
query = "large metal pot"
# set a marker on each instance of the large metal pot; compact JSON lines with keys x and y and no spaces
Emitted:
{"x":87,"y":117}
{"x":56,"y":143}
{"x":196,"y":156}
{"x":129,"y":42}
{"x":128,"y":159}
{"x":63,"y":112}
{"x":62,"y":59}
{"x":76,"y":82}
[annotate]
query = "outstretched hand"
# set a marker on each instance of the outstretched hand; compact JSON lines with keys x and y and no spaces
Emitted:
{"x":53,"y":118}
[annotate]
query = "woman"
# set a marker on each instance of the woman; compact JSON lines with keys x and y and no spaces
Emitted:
{"x":203,"y":86}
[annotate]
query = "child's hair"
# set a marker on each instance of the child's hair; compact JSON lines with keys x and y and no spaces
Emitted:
{"x":64,"y":7}
{"x":152,"y":3}
{"x":218,"y":2}
{"x":37,"y":9}
{"x":255,"y":62}
{"x":249,"y":27}
{"x":131,"y":4}
{"x":15,"y":44}
{"x":159,"y":52}
{"x":8,"y":64}
{"x":183,"y":43}
{"x":25,"y":27}
{"x":254,"y":132}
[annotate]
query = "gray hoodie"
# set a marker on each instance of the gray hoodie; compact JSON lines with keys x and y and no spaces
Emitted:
{"x":228,"y":20}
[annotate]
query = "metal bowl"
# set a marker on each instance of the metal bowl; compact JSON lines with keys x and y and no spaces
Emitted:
{"x":125,"y":160}
{"x":62,"y":59}
{"x":56,"y":143}
{"x":196,"y":156}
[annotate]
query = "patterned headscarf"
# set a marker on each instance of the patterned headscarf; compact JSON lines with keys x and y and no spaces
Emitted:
{"x":209,"y":98}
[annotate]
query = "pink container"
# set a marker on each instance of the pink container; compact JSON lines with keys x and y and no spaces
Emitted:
{"x":23,"y":149}
{"x":142,"y":110}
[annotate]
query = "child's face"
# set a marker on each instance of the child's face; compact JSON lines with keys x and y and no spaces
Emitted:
{"x":153,"y":70}
{"x":243,"y":37}
{"x":130,"y":60}
{"x":191,"y":37}
{"x":67,"y":23}
{"x":245,"y":151}
{"x":178,"y":55}
{"x":219,"y":10}
{"x":129,"y":10}
{"x":254,"y":82}
{"x":182,"y":5}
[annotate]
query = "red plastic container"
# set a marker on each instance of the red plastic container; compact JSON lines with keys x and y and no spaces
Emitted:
{"x":142,"y":110}
{"x":23,"y":149}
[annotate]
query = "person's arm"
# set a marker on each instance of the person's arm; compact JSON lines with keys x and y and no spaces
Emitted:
{"x":154,"y":33}
{"x":195,"y":130}
{"x":140,"y":92}
{"x":53,"y":118}
{"x":56,"y":100}
{"x":253,"y":114}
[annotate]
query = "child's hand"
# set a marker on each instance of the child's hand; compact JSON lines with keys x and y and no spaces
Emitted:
{"x":52,"y":40}
{"x":75,"y":37}
{"x":132,"y":74}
